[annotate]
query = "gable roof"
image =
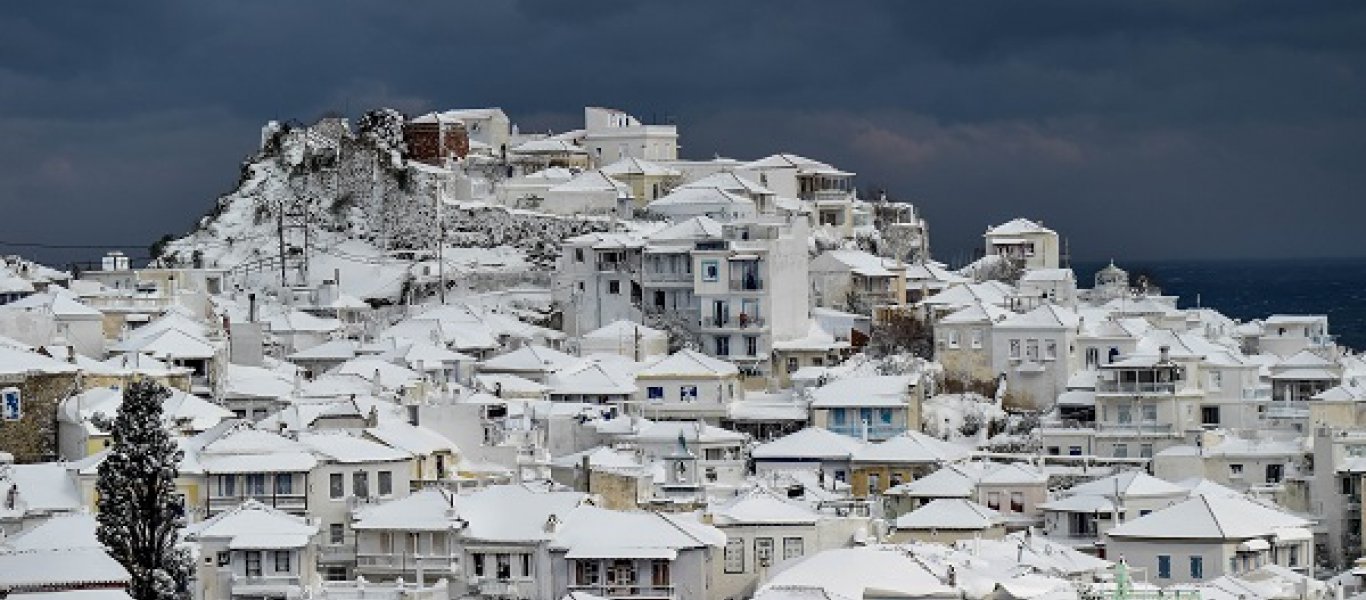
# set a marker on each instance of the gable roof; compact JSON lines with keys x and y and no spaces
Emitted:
{"x":1018,"y":226}
{"x":911,"y":447}
{"x":687,"y":363}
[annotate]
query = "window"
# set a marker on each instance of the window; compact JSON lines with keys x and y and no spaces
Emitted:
{"x":386,"y":483}
{"x":1032,"y":349}
{"x":1235,"y":470}
{"x":1050,"y":349}
{"x":253,"y":563}
{"x":578,"y":255}
{"x":792,"y":548}
{"x":614,"y":287}
{"x":735,"y":555}
{"x":1209,"y":415}
{"x":711,"y":270}
{"x":1274,"y":473}
{"x":1145,"y":450}
{"x":723,"y":345}
{"x":1164,"y":566}
{"x":885,"y":416}
{"x":953,"y":339}
{"x":655,"y":393}
{"x":1092,"y":357}
{"x":256,"y":484}
{"x":687,"y":393}
{"x":585,"y":572}
{"x":659,"y":573}
{"x":282,"y":561}
{"x":360,"y":484}
{"x":335,"y":574}
{"x":1197,"y":567}
{"x":977,"y":338}
{"x":994,"y":500}
{"x":792,"y":364}
{"x":337,"y":533}
{"x":502,"y":566}
{"x":837,"y":416}
{"x":751,"y":346}
{"x":525,"y":560}
{"x":284,"y":483}
{"x":1125,"y":414}
{"x":1074,"y":450}
{"x":1054,"y":450}
{"x":1121,"y":451}
{"x":763,"y":551}
{"x":335,"y":487}
{"x":1216,"y":380}
{"x":1149,"y":412}
{"x":224,"y":559}
{"x":1017,"y":502}
{"x":1015,"y":348}
{"x":227,"y":485}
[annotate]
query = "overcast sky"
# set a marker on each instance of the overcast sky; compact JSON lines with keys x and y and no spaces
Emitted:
{"x":1137,"y":130}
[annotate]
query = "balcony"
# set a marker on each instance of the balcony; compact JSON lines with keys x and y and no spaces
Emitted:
{"x":665,"y":277}
{"x":875,"y":432}
{"x":748,"y":283}
{"x":397,"y":561}
{"x":626,"y":591}
{"x":494,"y":588}
{"x":615,"y":266}
{"x":1139,"y":428}
{"x":729,"y":322}
{"x":1135,"y":387}
{"x":291,"y":503}
{"x":264,"y":585}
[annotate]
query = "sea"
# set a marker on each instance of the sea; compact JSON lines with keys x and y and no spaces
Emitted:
{"x":1255,"y":289}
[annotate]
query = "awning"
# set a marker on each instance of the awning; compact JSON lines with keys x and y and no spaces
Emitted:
{"x":1293,"y":534}
{"x":283,"y":462}
{"x":268,"y":541}
{"x":1255,"y":545}
{"x":621,"y":552}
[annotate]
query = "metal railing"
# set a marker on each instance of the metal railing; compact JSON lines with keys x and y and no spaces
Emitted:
{"x":625,"y":591}
{"x":746,"y":283}
{"x":1135,"y":387}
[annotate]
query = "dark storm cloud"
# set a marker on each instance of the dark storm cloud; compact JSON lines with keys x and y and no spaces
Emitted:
{"x":1144,"y":129}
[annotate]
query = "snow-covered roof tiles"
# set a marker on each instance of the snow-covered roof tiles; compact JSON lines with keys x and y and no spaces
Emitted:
{"x":1129,"y":484}
{"x":687,"y":363}
{"x":803,"y":165}
{"x":428,"y":509}
{"x":169,"y":344}
{"x":876,"y":390}
{"x":42,"y":488}
{"x":1019,"y":226}
{"x":809,"y":443}
{"x":1045,"y":316}
{"x":950,"y":513}
{"x":1209,"y":517}
{"x":700,"y":227}
{"x":856,"y":573}
{"x":623,"y":329}
{"x":530,"y":358}
{"x":631,"y":165}
{"x":266,"y":527}
{"x":860,"y":262}
{"x":345,"y":448}
{"x":911,"y":447}
{"x":414,"y":439}
{"x":19,"y":362}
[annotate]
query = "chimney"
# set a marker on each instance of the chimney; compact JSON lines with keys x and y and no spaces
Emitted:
{"x":251,"y":307}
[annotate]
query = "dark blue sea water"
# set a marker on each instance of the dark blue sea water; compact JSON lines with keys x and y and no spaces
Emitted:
{"x":1254,"y":289}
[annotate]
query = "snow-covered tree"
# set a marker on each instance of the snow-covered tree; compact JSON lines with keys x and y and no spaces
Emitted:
{"x":140,"y":515}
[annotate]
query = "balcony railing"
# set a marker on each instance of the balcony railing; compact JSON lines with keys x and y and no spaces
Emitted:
{"x":1136,"y":427}
{"x":1135,"y":387}
{"x":292,"y":503}
{"x":239,"y":582}
{"x":405,"y":562}
{"x":729,"y":322}
{"x":875,"y":432}
{"x":494,"y":588}
{"x":667,"y":277}
{"x":747,"y":283}
{"x":617,"y":266}
{"x":626,"y":591}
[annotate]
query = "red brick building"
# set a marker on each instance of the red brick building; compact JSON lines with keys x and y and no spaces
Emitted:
{"x":432,"y":139}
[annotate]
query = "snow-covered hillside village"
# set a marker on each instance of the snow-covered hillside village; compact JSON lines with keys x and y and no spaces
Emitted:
{"x":434,"y":356}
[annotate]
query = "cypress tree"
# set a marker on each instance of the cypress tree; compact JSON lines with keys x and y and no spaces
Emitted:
{"x":140,"y":515}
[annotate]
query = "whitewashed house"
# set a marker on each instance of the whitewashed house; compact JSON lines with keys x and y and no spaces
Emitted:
{"x":687,"y":386}
{"x":254,"y":551}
